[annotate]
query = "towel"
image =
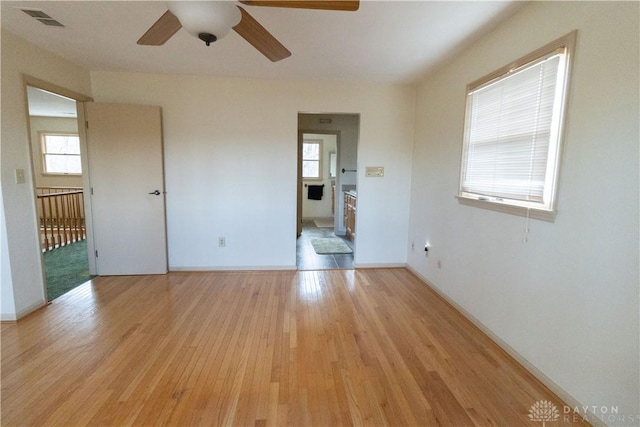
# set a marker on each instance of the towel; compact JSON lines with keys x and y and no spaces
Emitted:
{"x":315,"y":192}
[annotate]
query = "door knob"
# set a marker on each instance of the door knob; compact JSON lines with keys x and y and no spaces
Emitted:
{"x":157,"y":192}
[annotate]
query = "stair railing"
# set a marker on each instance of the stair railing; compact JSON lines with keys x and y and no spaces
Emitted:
{"x":61,"y":214}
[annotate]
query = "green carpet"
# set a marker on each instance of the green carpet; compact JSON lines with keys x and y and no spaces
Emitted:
{"x":330,"y":245}
{"x":65,"y":268}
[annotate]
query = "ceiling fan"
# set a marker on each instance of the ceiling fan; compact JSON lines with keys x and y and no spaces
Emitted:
{"x":212,"y":20}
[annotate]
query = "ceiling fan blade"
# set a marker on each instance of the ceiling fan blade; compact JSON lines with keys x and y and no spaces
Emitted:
{"x":163,"y":29}
{"x":260,"y":38}
{"x":345,"y":5}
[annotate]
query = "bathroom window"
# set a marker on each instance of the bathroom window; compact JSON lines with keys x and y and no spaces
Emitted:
{"x":312,"y":159}
{"x":513,"y":130}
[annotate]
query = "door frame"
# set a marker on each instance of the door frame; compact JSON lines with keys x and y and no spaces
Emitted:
{"x":300,"y":196}
{"x":30,"y":81}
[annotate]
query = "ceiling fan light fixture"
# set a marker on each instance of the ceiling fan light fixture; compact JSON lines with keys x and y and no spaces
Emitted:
{"x":211,"y":18}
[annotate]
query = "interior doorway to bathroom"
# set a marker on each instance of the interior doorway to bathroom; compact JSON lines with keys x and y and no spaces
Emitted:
{"x":327,"y":159}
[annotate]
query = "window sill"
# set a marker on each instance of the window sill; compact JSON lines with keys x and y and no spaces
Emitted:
{"x":532,"y":213}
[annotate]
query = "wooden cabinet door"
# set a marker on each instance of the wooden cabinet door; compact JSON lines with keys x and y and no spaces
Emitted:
{"x":350,"y":215}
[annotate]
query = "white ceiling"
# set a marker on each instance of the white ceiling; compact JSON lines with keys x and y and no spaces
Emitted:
{"x":47,"y":104}
{"x":385,"y":41}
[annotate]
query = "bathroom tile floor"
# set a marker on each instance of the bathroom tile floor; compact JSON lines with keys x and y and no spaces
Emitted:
{"x":308,"y":259}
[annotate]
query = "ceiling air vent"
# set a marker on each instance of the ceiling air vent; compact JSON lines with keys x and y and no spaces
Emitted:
{"x":42,"y":17}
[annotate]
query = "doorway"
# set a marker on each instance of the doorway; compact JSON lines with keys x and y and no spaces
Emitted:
{"x":56,"y":161}
{"x":327,"y":145}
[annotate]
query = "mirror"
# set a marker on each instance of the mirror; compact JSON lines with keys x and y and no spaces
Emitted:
{"x":333,"y":164}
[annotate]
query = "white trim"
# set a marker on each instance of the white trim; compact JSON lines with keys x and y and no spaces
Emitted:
{"x":12,"y":317}
{"x":31,"y":309}
{"x":235,"y":268}
{"x":568,"y":399}
{"x":380,"y":265}
{"x":549,"y":216}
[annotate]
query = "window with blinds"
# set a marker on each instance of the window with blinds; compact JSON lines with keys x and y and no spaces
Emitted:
{"x":513,"y":127}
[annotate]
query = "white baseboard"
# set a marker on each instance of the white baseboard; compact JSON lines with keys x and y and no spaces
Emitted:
{"x":274,"y":267}
{"x":236,"y":268}
{"x":12,"y":317}
{"x":548,"y":382}
{"x":8,"y":317}
{"x":380,"y":265}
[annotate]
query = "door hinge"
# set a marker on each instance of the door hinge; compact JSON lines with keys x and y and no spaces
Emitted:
{"x":86,"y":124}
{"x":96,"y":254}
{"x":92,"y":191}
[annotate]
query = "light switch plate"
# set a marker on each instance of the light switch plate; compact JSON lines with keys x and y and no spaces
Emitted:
{"x":20,"y":179}
{"x":374,"y":171}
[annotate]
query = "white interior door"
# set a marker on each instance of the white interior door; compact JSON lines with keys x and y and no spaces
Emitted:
{"x":126,"y":175}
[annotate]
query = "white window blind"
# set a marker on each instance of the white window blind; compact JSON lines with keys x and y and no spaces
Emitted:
{"x":512,"y":131}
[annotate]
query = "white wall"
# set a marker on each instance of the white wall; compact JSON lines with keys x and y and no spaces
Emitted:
{"x":231,"y":163}
{"x":567,"y":301}
{"x":26,"y":287}
{"x":51,"y":124}
{"x":320,"y":208}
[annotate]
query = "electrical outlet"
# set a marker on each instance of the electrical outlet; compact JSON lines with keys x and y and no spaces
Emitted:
{"x":222,"y":242}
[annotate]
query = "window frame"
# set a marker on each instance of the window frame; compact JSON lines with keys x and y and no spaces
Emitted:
{"x":320,"y":164}
{"x":43,"y":135}
{"x":544,"y":211}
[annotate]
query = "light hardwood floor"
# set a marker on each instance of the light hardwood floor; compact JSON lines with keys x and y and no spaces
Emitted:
{"x":333,"y":347}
